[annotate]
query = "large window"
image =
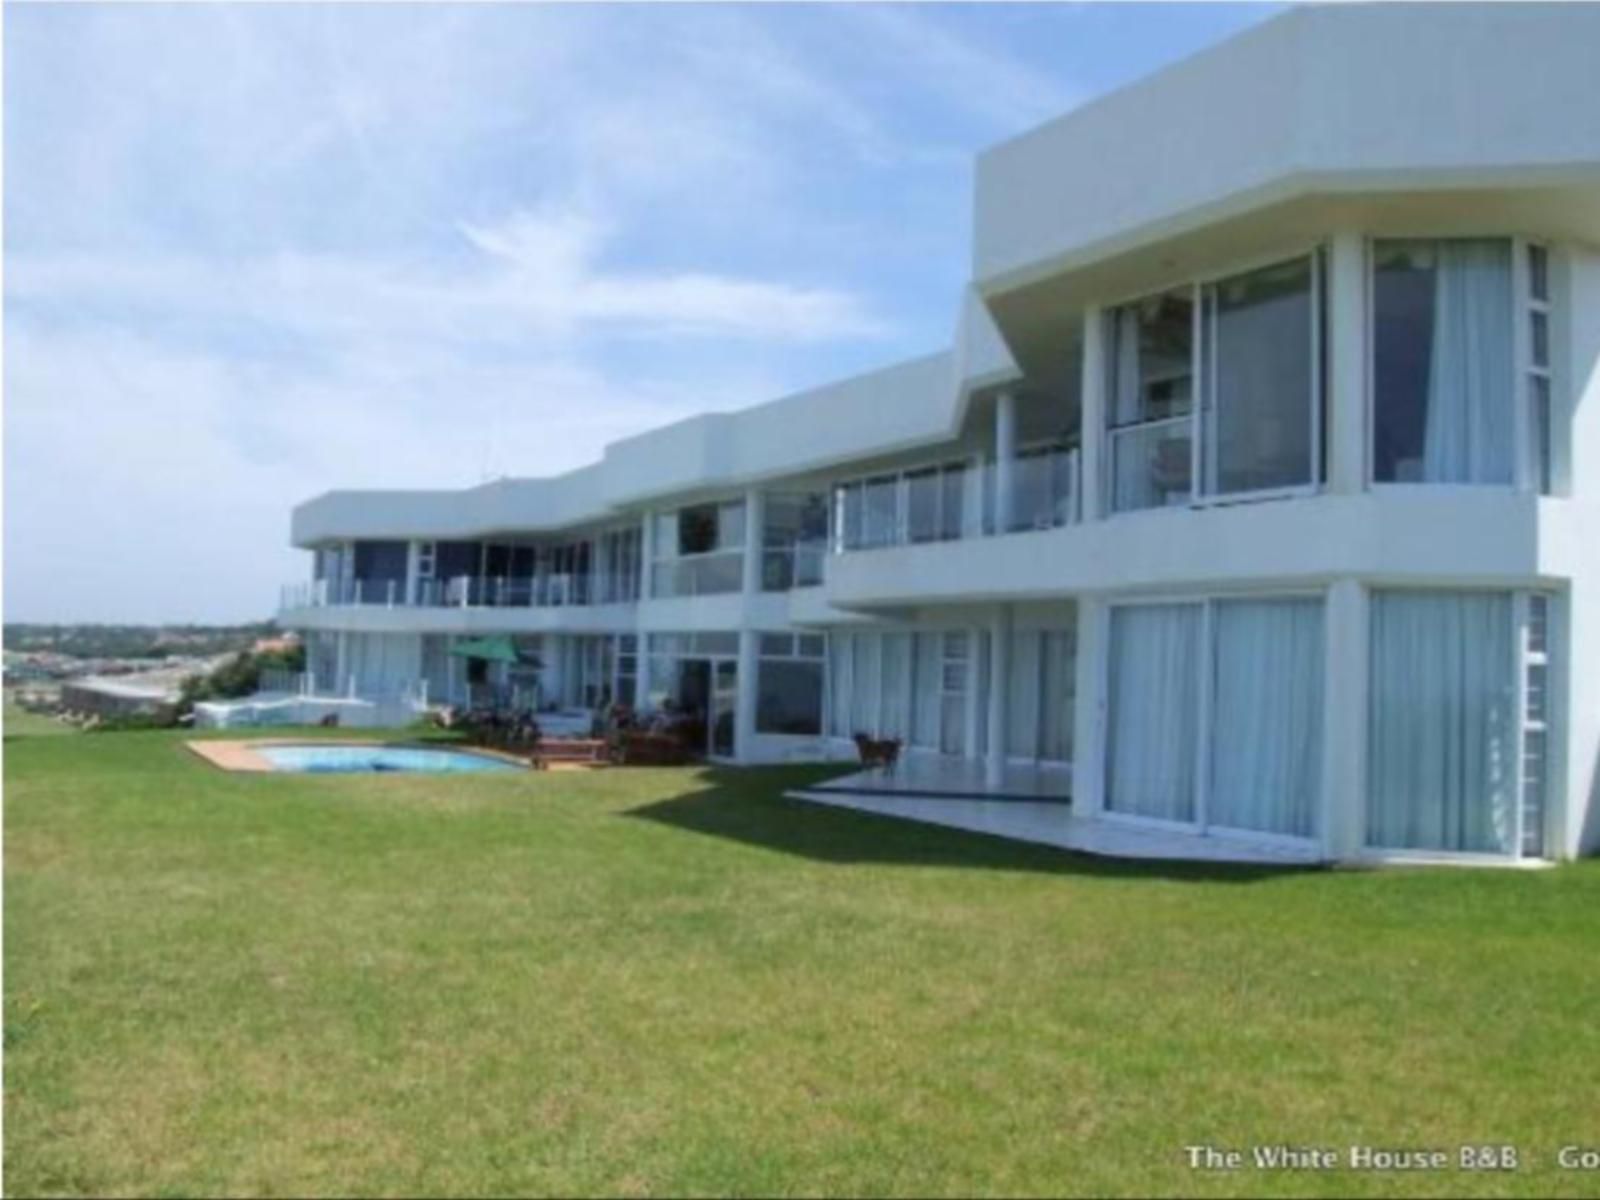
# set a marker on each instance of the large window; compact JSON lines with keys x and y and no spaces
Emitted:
{"x":1459,"y":721}
{"x":1253,"y":360}
{"x":1040,"y":694}
{"x":789,"y":684}
{"x":907,"y":685}
{"x":699,"y":550}
{"x":1260,"y":391}
{"x":1444,"y":363}
{"x":1151,"y":401}
{"x":794,"y":539}
{"x":1216,"y":713}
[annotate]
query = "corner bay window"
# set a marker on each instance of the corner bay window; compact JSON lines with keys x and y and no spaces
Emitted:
{"x":1461,"y":362}
{"x":1225,"y":377}
{"x":1459,"y":721}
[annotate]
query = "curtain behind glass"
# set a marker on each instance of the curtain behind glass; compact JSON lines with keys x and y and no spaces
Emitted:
{"x":896,"y":686}
{"x":864,"y":684}
{"x":1154,"y":693}
{"x":1022,"y":695}
{"x":926,"y":690}
{"x":1058,"y":688}
{"x":1471,"y":377}
{"x":1442,"y":722}
{"x":1266,"y":743}
{"x":839,"y":684}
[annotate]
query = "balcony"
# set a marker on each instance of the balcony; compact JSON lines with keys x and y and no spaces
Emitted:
{"x":462,"y":591}
{"x":954,"y":502}
{"x":715,"y":573}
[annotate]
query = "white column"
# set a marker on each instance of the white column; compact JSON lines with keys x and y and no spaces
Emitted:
{"x":1092,"y":414}
{"x":752,"y":547}
{"x":1005,"y":460}
{"x":994,"y":763}
{"x":744,"y":722}
{"x":1344,"y":720}
{"x":1346,"y":398}
{"x":1088,"y":773}
{"x":410,"y":596}
{"x":341,"y":661}
{"x":647,"y":554}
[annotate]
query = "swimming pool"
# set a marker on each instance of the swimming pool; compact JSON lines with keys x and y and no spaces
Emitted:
{"x":347,"y":760}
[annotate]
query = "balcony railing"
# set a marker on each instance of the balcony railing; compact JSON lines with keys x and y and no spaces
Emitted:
{"x":1045,"y":493}
{"x":461,"y":591}
{"x":716,"y":573}
{"x":797,"y":565}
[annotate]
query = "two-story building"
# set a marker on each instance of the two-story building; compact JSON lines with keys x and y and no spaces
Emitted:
{"x":1255,"y":505}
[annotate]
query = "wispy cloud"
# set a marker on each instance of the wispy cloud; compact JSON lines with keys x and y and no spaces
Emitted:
{"x":257,"y":251}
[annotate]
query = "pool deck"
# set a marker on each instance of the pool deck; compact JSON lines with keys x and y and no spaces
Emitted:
{"x":242,"y":756}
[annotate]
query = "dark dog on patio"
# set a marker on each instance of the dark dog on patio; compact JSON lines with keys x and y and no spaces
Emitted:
{"x":878,"y":752}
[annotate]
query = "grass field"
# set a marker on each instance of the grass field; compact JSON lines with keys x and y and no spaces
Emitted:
{"x":666,"y":982}
{"x":19,"y":722}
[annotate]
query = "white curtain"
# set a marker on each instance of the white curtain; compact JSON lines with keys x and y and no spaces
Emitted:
{"x":1266,"y":710}
{"x":864,"y":684}
{"x":1058,"y":688}
{"x":896,"y":685}
{"x":1154,"y":710}
{"x":1022,"y":695}
{"x":926,"y":687}
{"x":1471,"y":376}
{"x":839,"y":684}
{"x":1442,"y":722}
{"x":1126,"y":405}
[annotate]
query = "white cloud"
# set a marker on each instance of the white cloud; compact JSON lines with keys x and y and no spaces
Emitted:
{"x":255,"y":252}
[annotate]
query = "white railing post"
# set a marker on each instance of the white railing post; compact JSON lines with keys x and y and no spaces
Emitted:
{"x":351,"y":693}
{"x":500,"y":591}
{"x":465,"y":582}
{"x":391,"y":594}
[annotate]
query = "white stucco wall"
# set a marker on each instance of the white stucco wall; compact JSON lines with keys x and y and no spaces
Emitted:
{"x":1321,"y":98}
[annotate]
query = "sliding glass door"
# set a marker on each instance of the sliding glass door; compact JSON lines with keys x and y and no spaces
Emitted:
{"x":1215,"y":713}
{"x":1154,"y":694}
{"x":1266,"y":715}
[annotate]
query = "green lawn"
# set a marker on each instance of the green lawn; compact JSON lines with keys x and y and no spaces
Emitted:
{"x":19,"y":722}
{"x":674,"y":981}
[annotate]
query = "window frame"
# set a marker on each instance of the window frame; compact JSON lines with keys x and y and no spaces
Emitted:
{"x":1203,"y":366}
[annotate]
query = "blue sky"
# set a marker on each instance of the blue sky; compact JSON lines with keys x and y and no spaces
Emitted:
{"x":253,"y":252}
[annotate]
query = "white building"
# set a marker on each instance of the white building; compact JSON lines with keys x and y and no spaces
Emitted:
{"x":1256,"y":503}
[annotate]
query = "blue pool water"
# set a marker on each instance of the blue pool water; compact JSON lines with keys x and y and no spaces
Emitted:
{"x":345,"y":760}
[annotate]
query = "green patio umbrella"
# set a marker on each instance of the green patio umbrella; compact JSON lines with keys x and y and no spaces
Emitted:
{"x":499,"y":649}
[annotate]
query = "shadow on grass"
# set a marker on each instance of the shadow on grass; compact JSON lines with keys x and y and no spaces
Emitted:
{"x":747,"y":805}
